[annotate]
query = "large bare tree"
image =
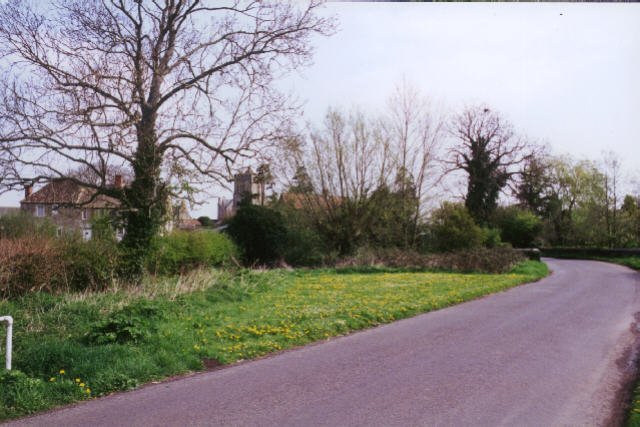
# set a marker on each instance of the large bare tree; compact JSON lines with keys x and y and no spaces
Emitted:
{"x":489,"y":151}
{"x":364,"y":177}
{"x":174,"y":90}
{"x":414,"y":129}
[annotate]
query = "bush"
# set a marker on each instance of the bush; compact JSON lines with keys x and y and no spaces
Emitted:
{"x":92,"y":264}
{"x":23,"y":224}
{"x":518,"y":227}
{"x":205,"y":221}
{"x":454,"y":229}
{"x":29,"y":264}
{"x":305,"y":248}
{"x":182,"y":251}
{"x":33,"y":264}
{"x":491,"y":238}
{"x":260,"y":233}
{"x":497,"y":260}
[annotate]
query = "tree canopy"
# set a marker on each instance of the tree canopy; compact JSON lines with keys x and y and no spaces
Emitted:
{"x":176,"y":91}
{"x":488,"y":151}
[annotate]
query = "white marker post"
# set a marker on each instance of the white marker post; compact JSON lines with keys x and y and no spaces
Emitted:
{"x":9,"y":321}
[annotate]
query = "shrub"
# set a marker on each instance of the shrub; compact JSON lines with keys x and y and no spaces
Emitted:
{"x":491,"y":238}
{"x":29,"y":264}
{"x":23,"y":224}
{"x":454,"y":229}
{"x":518,"y":227}
{"x":260,"y":233}
{"x":205,"y":221}
{"x":182,"y":251}
{"x":304,"y":247}
{"x":496,"y":260}
{"x":91,"y":265}
{"x":32,"y":264}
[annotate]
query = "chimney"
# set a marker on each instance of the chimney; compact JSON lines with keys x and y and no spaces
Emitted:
{"x":119,"y":182}
{"x":28,"y":189}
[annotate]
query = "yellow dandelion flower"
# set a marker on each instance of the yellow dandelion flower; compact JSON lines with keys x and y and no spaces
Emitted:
{"x":62,"y":371}
{"x":52,"y":379}
{"x":77,"y":380}
{"x":81,"y":384}
{"x":88,"y":391}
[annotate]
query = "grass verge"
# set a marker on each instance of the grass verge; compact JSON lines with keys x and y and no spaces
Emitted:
{"x":78,"y":346}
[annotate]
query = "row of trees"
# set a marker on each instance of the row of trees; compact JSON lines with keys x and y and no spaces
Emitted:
{"x":374,"y":181}
{"x":580,"y":202}
{"x":366,"y":180}
{"x":174,"y":91}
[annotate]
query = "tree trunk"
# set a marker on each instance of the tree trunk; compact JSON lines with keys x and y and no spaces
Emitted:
{"x":146,"y":199}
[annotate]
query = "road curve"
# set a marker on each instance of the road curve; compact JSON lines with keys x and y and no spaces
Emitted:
{"x":550,"y":353}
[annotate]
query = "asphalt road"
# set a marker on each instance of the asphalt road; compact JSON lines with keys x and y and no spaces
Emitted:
{"x":552,"y":353}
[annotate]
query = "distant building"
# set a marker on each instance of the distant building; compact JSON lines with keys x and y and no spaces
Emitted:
{"x":245,"y":186}
{"x":182,"y":220}
{"x":225,"y":208}
{"x":70,"y":206}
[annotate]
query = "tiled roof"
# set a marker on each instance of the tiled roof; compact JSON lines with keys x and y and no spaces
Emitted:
{"x":303,"y":201}
{"x":67,"y":192}
{"x":189,"y":223}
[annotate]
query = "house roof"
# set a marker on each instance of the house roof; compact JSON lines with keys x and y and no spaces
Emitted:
{"x":67,"y":192}
{"x":189,"y":223}
{"x":302,"y":201}
{"x":181,"y":213}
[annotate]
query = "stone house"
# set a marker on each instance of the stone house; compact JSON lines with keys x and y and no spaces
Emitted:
{"x":70,"y":206}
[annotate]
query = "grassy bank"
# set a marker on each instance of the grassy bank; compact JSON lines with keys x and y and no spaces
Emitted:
{"x":78,"y":346}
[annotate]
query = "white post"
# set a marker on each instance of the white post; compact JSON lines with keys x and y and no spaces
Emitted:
{"x":9,"y":321}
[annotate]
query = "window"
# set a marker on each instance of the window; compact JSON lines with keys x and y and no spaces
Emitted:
{"x":40,"y":211}
{"x":59,"y":231}
{"x":54,"y":210}
{"x":84,"y":214}
{"x":86,"y":234}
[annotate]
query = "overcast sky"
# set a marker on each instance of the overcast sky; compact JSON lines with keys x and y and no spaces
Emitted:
{"x":566,"y":74}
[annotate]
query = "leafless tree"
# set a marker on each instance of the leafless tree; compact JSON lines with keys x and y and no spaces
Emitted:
{"x":612,"y":174}
{"x":414,"y":129}
{"x":336,"y":168}
{"x":174,"y":90}
{"x":360,"y":174}
{"x":489,"y":151}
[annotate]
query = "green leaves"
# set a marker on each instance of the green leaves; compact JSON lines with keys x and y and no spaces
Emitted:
{"x":133,"y":323}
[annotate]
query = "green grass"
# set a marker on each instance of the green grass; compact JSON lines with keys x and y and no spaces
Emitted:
{"x":78,"y":346}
